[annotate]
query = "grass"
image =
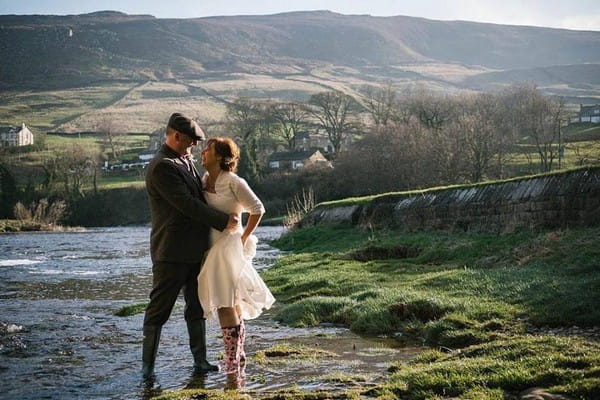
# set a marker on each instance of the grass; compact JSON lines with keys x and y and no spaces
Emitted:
{"x":481,"y":304}
{"x":475,"y":295}
{"x":117,"y":182}
{"x":130,"y":145}
{"x":132,"y":309}
{"x":509,"y":365}
{"x":582,"y":131}
{"x":285,"y":352}
{"x":45,"y":110}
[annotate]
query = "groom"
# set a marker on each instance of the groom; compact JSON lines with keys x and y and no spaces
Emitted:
{"x":181,"y":222}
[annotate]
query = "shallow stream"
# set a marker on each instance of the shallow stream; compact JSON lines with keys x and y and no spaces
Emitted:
{"x":59,"y":338}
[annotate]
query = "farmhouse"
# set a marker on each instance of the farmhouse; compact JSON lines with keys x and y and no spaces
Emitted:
{"x":297,"y":159}
{"x":15,"y":137}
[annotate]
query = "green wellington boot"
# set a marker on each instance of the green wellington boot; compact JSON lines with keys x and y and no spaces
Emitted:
{"x":197,"y":332}
{"x":149,"y":350}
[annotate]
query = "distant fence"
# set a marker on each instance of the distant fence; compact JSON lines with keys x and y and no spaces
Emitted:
{"x":558,"y":200}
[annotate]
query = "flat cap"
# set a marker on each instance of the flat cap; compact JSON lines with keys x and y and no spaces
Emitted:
{"x":185,"y":125}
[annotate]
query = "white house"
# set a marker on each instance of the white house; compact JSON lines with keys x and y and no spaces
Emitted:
{"x":14,"y":137}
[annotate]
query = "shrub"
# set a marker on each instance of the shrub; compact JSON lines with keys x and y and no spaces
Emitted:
{"x":41,"y":212}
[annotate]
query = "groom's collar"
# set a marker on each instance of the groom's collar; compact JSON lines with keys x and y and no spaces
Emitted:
{"x":169,"y":152}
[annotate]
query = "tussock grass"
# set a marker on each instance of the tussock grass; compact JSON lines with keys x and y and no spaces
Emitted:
{"x":503,"y":366}
{"x":283,"y":352}
{"x":474,"y":295}
{"x":132,"y":309}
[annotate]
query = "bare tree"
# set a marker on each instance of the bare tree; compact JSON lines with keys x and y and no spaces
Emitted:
{"x":546,"y":133}
{"x":380,"y":103}
{"x":290,"y":119}
{"x":113,"y":136}
{"x":334,"y":112}
{"x":431,"y":109}
{"x":243,"y":118}
{"x":477,"y":119}
{"x":539,"y":123}
{"x":79,"y":168}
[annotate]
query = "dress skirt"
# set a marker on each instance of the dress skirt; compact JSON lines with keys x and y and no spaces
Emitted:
{"x":228,"y":279}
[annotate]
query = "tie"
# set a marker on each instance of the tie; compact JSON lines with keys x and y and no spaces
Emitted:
{"x":185,"y":161}
{"x":188,"y":164}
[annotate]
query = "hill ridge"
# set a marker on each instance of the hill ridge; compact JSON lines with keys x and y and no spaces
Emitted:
{"x":113,"y":45}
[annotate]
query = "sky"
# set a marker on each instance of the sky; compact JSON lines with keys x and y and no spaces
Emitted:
{"x":568,"y":14}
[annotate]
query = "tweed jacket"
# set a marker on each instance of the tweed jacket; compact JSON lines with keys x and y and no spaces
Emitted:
{"x":181,"y":219}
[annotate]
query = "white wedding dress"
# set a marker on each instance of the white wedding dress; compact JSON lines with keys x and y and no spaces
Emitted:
{"x":227,"y":277}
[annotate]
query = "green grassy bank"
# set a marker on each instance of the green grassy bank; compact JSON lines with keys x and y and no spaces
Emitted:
{"x":498,"y":311}
{"x":497,"y":314}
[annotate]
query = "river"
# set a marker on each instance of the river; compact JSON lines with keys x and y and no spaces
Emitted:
{"x":59,"y":338}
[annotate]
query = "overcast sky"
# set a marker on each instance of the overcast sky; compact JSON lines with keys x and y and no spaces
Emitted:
{"x":569,"y":14}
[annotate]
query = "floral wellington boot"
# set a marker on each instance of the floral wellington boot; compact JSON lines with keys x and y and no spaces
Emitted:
{"x":242,"y":341}
{"x":231,"y":337}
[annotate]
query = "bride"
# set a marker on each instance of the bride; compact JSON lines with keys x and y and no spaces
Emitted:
{"x":228,"y":285}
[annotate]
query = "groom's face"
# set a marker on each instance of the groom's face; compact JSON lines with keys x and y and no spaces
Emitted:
{"x":185,"y":143}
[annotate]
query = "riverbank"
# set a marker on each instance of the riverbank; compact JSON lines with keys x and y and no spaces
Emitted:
{"x":16,"y":225}
{"x":501,"y":315}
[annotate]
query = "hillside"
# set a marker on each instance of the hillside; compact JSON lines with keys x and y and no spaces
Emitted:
{"x":69,"y":73}
{"x":111,"y":45}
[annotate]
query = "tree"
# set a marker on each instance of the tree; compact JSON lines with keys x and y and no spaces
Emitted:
{"x":290,"y":119}
{"x":537,"y":120}
{"x":380,"y":102}
{"x":545,"y":130}
{"x":51,"y":165}
{"x":433,"y":111}
{"x":8,"y":192}
{"x":477,"y":121}
{"x":243,"y":118}
{"x":334,"y":112}
{"x":113,"y":137}
{"x":79,"y":167}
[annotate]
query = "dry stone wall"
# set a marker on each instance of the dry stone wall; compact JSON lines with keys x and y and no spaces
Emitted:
{"x":551,"y":201}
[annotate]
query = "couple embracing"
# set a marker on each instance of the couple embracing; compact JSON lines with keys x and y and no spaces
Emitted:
{"x":198,"y":243}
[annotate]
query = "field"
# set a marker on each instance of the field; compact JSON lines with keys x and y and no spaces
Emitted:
{"x":144,"y":106}
{"x":47,"y":110}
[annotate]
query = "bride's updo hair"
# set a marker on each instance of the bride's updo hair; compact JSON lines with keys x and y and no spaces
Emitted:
{"x":228,"y":150}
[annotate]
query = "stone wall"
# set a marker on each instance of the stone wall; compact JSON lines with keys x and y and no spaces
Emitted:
{"x":559,"y":200}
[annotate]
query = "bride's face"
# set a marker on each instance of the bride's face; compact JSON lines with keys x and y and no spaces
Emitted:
{"x":209,"y":156}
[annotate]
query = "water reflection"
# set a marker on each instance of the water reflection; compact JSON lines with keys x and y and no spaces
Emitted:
{"x":60,"y":339}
